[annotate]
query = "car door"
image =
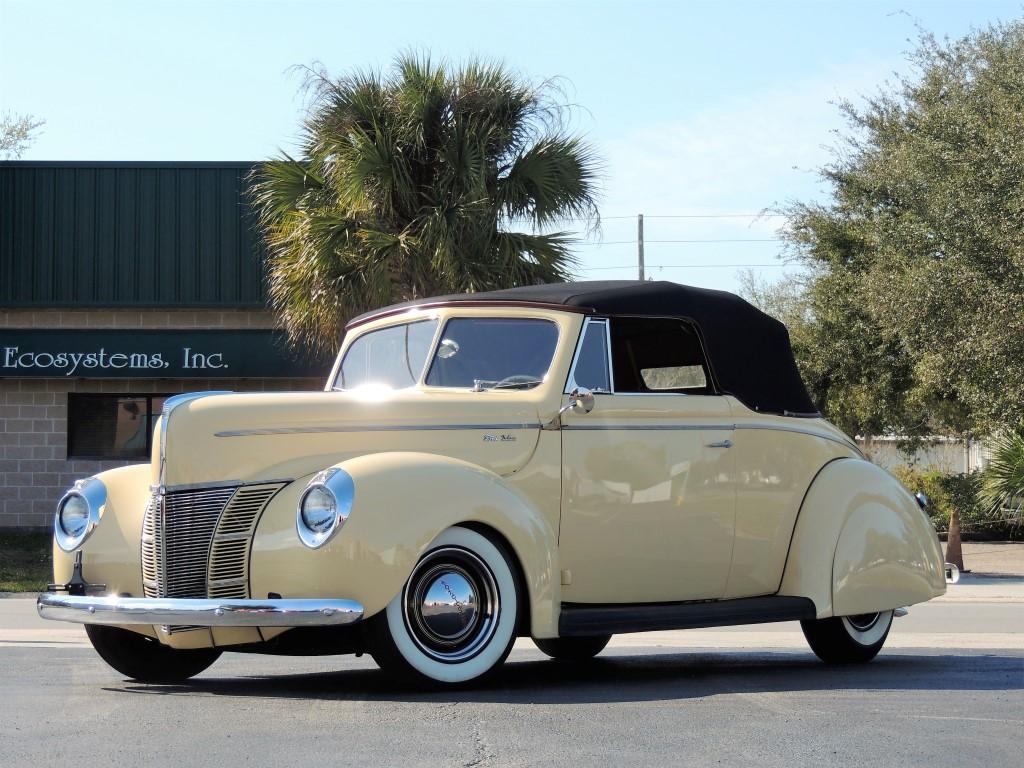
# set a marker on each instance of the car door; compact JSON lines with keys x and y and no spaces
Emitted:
{"x":648,"y":492}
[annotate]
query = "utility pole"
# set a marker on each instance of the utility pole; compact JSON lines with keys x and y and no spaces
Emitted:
{"x":640,"y":242}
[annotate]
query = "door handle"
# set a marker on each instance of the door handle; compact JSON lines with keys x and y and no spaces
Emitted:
{"x":721,"y":444}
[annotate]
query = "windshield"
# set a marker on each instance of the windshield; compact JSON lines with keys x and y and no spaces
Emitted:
{"x":493,"y":353}
{"x":391,"y":357}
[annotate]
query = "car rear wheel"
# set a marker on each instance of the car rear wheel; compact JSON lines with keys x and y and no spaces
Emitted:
{"x":146,"y":659}
{"x":455,"y":619}
{"x":848,"y":639}
{"x":573,"y":648}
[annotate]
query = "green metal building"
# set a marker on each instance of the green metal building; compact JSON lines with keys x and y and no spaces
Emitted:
{"x":122,"y":284}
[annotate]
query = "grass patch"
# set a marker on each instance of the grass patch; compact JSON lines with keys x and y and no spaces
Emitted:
{"x":26,"y":561}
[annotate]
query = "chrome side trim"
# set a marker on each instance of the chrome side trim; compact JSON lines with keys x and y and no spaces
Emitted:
{"x":648,"y":427}
{"x":368,"y":428}
{"x":446,"y":427}
{"x":126,"y":611}
{"x":730,"y":427}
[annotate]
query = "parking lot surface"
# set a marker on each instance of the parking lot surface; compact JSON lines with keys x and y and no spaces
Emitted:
{"x":948,"y":690}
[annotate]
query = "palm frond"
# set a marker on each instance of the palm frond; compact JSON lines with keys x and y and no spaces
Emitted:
{"x":407,"y":184}
{"x":1002,"y":482}
{"x":554,"y":178}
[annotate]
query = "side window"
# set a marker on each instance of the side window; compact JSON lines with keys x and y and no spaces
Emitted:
{"x":657,"y":355}
{"x":591,"y":369}
{"x":393,"y":356}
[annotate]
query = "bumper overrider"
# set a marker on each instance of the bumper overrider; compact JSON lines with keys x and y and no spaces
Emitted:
{"x":127,"y":611}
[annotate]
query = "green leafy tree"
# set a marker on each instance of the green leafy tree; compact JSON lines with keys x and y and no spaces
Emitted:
{"x":857,"y":380}
{"x":917,"y":293}
{"x":413,"y":183}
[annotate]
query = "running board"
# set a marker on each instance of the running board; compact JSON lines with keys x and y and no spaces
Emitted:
{"x":582,"y":619}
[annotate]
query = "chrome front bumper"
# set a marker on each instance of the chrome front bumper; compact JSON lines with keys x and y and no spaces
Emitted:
{"x":119,"y":611}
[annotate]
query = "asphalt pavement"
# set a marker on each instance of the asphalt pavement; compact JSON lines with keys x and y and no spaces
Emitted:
{"x":948,"y":690}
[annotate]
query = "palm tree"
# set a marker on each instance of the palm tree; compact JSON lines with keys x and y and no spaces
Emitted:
{"x":411,"y":184}
{"x":1002,"y":483}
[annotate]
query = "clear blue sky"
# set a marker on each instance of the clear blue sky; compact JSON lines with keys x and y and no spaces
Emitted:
{"x":697,"y":108}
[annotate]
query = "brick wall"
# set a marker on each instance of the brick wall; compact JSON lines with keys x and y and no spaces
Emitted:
{"x":34,"y":468}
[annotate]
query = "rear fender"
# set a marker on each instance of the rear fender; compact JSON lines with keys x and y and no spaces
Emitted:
{"x":402,"y":501}
{"x":862,"y":544}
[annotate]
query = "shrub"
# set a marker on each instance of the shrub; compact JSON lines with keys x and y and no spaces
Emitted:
{"x":947,"y":492}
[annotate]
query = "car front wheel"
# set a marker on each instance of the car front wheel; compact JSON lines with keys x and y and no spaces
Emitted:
{"x":848,"y":639}
{"x":146,"y":659}
{"x":455,"y":619}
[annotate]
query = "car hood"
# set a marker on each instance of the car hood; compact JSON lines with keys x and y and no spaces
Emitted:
{"x":237,"y":438}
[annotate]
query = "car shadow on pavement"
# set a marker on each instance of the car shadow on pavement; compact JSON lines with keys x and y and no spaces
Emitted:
{"x":631,"y":678}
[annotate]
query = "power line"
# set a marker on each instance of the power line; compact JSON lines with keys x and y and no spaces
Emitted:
{"x":702,"y":216}
{"x":681,"y":266}
{"x":676,"y":216}
{"x":708,"y":240}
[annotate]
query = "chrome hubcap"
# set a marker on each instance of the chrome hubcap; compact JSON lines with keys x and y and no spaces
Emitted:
{"x":451,"y":604}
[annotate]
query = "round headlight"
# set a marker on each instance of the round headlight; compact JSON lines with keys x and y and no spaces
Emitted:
{"x":319,"y":510}
{"x":78,"y":513}
{"x":324,"y":507}
{"x":73,"y":516}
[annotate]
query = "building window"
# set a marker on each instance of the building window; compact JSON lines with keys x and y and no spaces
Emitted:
{"x":112,"y":426}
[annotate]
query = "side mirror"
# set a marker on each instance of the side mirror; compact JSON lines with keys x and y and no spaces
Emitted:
{"x":582,"y":401}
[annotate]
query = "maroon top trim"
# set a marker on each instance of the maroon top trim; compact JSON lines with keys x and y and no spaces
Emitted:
{"x":435,"y":304}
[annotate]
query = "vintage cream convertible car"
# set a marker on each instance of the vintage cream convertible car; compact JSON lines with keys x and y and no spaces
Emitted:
{"x":563,"y":462}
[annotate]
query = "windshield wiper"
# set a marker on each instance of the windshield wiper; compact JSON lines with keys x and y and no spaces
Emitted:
{"x":520,"y":382}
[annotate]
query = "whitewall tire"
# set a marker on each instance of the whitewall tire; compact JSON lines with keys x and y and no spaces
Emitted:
{"x":455,"y":619}
{"x":848,"y":639}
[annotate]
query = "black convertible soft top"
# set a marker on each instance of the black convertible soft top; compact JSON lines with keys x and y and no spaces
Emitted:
{"x":748,"y":351}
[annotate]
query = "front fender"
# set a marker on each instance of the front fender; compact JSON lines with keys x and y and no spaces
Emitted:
{"x":402,"y":501}
{"x":862,"y":544}
{"x":112,"y":554}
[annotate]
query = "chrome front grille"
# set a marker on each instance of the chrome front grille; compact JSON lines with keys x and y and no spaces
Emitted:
{"x":196,"y":543}
{"x":150,"y":575}
{"x":228,"y":574}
